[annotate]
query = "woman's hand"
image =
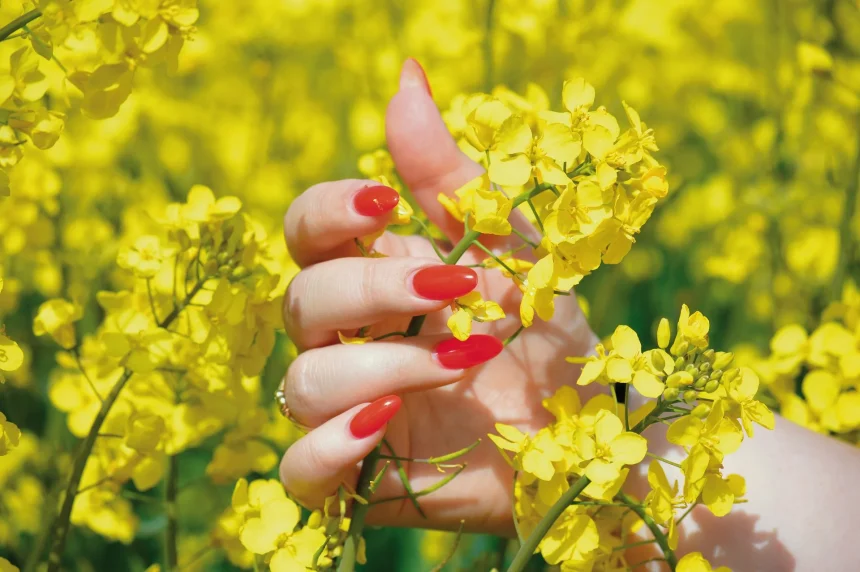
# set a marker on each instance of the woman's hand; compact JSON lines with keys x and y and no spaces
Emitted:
{"x":452,"y":392}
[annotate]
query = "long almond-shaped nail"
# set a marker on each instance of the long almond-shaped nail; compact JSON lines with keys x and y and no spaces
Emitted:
{"x":375,"y":201}
{"x":413,"y":75}
{"x":444,"y":282}
{"x":374,"y":417}
{"x":477,"y":349}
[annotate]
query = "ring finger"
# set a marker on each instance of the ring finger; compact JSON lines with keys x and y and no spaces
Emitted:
{"x":324,"y":382}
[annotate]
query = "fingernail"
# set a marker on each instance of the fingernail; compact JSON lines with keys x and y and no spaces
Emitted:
{"x":444,"y":282}
{"x":374,"y":417}
{"x":412,"y":75}
{"x":477,"y":349}
{"x":375,"y":201}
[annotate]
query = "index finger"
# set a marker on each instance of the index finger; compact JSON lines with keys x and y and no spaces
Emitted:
{"x":323,"y":222}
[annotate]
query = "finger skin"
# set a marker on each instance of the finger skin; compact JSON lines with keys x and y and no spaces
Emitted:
{"x":322,"y":222}
{"x":315,"y":465}
{"x":349,"y":293}
{"x":426,"y":156}
{"x":429,"y":160}
{"x":323,"y":382}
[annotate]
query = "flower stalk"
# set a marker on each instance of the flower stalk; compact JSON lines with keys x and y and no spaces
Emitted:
{"x":63,"y":521}
{"x":19,"y":23}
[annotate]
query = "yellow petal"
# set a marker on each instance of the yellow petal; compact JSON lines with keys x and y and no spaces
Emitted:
{"x":625,"y":342}
{"x":628,"y":448}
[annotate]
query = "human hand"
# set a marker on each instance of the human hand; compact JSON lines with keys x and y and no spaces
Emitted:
{"x":452,"y":392}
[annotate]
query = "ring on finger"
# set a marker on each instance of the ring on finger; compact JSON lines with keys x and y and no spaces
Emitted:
{"x":281,"y":400}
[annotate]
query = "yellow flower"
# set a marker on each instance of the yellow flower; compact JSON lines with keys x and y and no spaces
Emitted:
{"x":534,"y":455}
{"x":661,"y":501}
{"x":9,"y":435}
{"x":278,"y":517}
{"x":615,"y":236}
{"x":742,"y":390}
{"x":273,"y":531}
{"x":11,"y":356}
{"x":625,"y":363}
{"x":56,"y":318}
{"x":693,"y":328}
{"x":549,"y":274}
{"x":611,"y":448}
{"x":523,"y":157}
{"x":144,"y":432}
{"x":202,"y":206}
{"x":812,"y":58}
{"x":716,"y":435}
{"x":695,"y":562}
{"x":573,"y":536}
{"x":719,"y":493}
{"x":488,"y":209}
{"x":145,"y":257}
{"x":472,"y":307}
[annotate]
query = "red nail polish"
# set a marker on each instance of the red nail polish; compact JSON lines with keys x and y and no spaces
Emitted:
{"x":376,"y":200}
{"x":374,"y":417}
{"x":454,"y":354}
{"x":444,"y":282}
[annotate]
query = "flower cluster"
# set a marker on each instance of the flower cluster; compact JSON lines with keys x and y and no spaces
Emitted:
{"x":176,"y":360}
{"x":11,"y":358}
{"x":576,"y":467}
{"x":815,"y":376}
{"x":86,"y":50}
{"x":268,"y":523}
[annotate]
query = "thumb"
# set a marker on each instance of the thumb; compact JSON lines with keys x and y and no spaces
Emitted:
{"x":425,"y":154}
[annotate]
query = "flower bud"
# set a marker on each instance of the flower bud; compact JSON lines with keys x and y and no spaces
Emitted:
{"x":337,"y":551}
{"x":658,"y":360}
{"x":699,"y":384}
{"x":663,"y":333}
{"x":679,"y":363}
{"x":315,"y":519}
{"x":701,"y":410}
{"x":671,"y":393}
{"x":712,"y":386}
{"x":709,"y":355}
{"x":723,"y":359}
{"x":324,"y":562}
{"x":680,"y":349}
{"x":690,"y":396}
{"x":730,"y":375}
{"x":691,"y":369}
{"x":705,"y":367}
{"x":717,"y":374}
{"x":679,"y":379}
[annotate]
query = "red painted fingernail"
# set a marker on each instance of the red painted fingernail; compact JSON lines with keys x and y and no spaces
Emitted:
{"x":454,"y":354}
{"x":376,"y":200}
{"x":444,"y":282}
{"x":413,"y":75}
{"x":374,"y":417}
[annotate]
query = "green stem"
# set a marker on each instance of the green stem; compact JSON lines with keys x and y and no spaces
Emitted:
{"x":19,"y":23}
{"x":359,"y":513}
{"x":530,"y":544}
{"x":845,"y":242}
{"x":661,"y":539}
{"x":171,"y":536}
{"x":488,"y":48}
{"x":62,"y":523}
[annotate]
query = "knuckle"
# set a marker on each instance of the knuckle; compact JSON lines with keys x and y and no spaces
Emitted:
{"x":292,"y":298}
{"x":298,"y":389}
{"x":370,"y":287}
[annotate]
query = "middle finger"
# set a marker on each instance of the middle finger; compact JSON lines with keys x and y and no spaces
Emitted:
{"x":349,"y":293}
